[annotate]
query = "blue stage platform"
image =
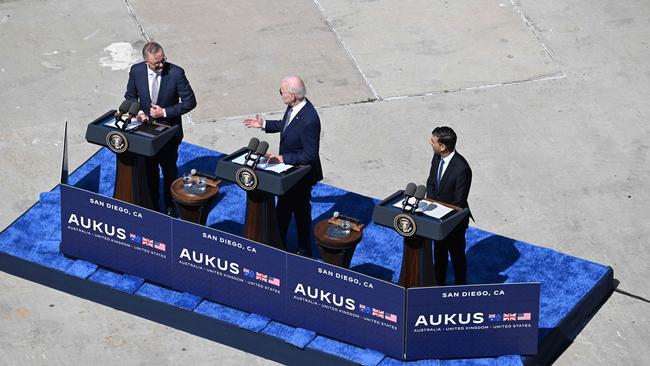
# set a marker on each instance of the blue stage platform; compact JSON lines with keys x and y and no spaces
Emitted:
{"x":572,"y":289}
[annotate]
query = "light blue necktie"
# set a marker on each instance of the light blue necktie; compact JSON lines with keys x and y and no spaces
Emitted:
{"x":288,"y":119}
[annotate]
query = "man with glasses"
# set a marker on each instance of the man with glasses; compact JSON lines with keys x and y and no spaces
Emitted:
{"x":299,"y":144}
{"x":164,"y":94}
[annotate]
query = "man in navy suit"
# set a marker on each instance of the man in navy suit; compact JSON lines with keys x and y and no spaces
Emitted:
{"x":299,"y":144}
{"x":164,"y":95}
{"x":449,"y":181}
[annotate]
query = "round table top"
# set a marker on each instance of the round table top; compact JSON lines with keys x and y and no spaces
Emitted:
{"x":320,"y":233}
{"x":181,"y":196}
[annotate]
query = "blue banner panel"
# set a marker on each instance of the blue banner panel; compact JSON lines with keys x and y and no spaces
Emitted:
{"x":472,"y":321}
{"x":229,"y":269}
{"x":115,"y":234}
{"x":345,"y":305}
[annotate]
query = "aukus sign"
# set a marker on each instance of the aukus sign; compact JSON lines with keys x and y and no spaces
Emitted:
{"x":446,"y":322}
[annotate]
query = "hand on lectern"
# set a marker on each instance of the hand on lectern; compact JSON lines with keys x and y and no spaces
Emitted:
{"x":274,"y":158}
{"x":141,"y":117}
{"x":255,"y":122}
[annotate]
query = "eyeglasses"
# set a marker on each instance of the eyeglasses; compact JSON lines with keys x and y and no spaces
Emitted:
{"x":281,"y":93}
{"x":157,"y":63}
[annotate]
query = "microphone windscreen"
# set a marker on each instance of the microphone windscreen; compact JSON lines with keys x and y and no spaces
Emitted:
{"x":410,"y":189}
{"x":124,"y":107}
{"x":253,"y":143}
{"x":134,"y":109}
{"x":262,"y":147}
{"x":420,"y":192}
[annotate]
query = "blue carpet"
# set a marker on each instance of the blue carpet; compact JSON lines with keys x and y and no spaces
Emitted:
{"x":572,"y":288}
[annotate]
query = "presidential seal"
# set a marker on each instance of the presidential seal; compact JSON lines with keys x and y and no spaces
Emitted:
{"x":404,"y":225}
{"x":117,"y":142}
{"x":246,"y":179}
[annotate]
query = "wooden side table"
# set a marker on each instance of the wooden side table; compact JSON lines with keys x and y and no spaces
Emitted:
{"x":194,"y":207}
{"x":336,"y":251}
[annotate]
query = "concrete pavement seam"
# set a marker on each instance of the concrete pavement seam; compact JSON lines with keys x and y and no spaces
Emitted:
{"x":345,"y":47}
{"x":137,"y":22}
{"x":536,"y":32}
{"x":555,"y":76}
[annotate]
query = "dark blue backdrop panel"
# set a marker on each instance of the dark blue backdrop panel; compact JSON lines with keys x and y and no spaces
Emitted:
{"x":115,"y":234}
{"x":229,"y":269}
{"x":472,"y":321}
{"x":345,"y":305}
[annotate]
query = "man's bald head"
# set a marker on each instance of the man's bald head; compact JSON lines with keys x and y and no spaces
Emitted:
{"x":294,"y":84}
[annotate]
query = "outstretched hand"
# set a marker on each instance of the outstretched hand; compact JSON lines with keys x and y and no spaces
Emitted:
{"x":255,"y":122}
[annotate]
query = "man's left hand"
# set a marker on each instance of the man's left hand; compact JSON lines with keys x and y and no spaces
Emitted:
{"x":275,"y":159}
{"x":156,"y":111}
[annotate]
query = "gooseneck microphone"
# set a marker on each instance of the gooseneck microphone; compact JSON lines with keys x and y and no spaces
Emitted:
{"x":134,"y":109}
{"x":409,"y":192}
{"x":123,"y":108}
{"x":261,"y":151}
{"x":252,"y":146}
{"x":126,"y":117}
{"x":121,"y":111}
{"x":412,"y":197}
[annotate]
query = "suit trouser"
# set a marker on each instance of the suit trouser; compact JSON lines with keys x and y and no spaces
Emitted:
{"x":296,"y":202}
{"x":166,"y":159}
{"x":453,"y":245}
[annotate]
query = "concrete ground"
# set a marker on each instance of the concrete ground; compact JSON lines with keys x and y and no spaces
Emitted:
{"x":549,"y":98}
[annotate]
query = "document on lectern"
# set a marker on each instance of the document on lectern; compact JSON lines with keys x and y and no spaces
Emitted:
{"x":431,"y":209}
{"x":133,"y":125}
{"x":272,"y":167}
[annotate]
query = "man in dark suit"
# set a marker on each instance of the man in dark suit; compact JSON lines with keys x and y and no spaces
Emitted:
{"x":299,"y":144}
{"x":164,"y":95}
{"x":449,"y":181}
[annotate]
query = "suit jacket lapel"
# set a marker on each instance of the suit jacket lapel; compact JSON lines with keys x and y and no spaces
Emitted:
{"x":296,"y":118}
{"x":164,"y":78}
{"x":436,"y":166}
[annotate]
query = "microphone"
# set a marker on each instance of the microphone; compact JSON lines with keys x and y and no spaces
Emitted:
{"x":124,"y":107}
{"x":126,"y":117}
{"x":409,"y":192}
{"x":252,"y":146}
{"x":121,"y":110}
{"x":261,"y":150}
{"x":420,"y":192}
{"x":134,"y":109}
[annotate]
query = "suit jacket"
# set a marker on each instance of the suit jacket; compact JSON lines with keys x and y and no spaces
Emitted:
{"x":175,"y":94}
{"x":300,"y":142}
{"x":455,"y":183}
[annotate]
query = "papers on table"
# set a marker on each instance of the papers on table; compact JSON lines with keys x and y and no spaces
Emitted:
{"x":431,"y":209}
{"x":133,"y":125}
{"x":272,"y":167}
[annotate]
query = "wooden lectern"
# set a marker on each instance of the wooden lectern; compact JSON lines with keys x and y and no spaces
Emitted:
{"x":133,"y":149}
{"x":418,"y":230}
{"x":261,"y":187}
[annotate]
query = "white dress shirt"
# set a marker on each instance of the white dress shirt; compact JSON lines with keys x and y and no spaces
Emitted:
{"x":446,"y":159}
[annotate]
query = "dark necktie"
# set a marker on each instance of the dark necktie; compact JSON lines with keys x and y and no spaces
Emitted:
{"x":439,"y":177}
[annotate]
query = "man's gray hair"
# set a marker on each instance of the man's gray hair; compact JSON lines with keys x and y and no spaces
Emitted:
{"x":297,"y":86}
{"x":150,"y":48}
